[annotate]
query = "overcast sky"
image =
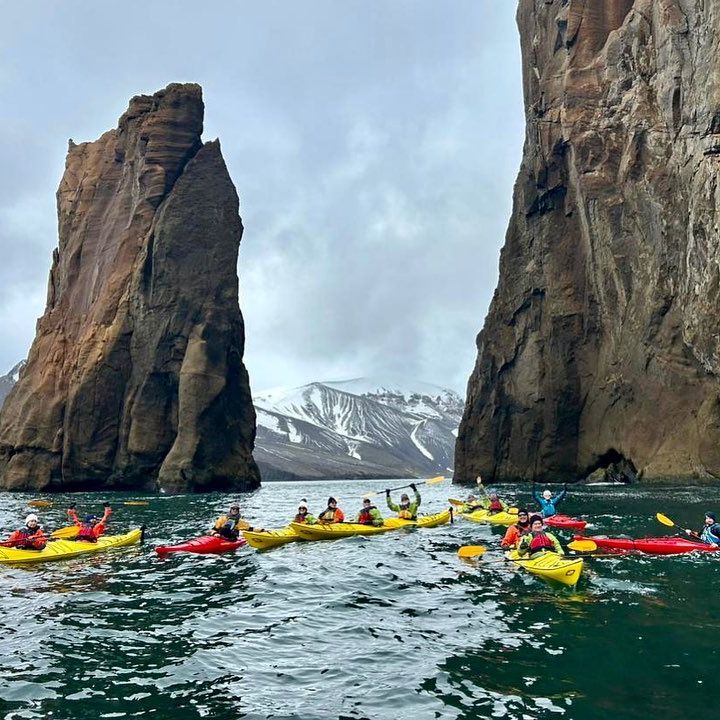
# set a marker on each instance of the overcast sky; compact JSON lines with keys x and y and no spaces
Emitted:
{"x":373,"y":143}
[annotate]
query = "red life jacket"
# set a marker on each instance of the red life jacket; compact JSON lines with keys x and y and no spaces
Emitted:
{"x":86,"y":533}
{"x":365,"y":518}
{"x":32,"y":539}
{"x":495,"y":506}
{"x":300,"y":518}
{"x":541,"y":541}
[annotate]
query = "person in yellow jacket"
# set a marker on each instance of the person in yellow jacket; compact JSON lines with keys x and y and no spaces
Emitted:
{"x":229,"y":526}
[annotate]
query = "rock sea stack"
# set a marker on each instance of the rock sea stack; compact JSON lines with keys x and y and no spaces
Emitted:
{"x":135,"y":378}
{"x":601,"y":349}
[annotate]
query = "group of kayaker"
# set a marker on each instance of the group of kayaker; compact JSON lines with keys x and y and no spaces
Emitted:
{"x":231,"y":524}
{"x":32,"y":535}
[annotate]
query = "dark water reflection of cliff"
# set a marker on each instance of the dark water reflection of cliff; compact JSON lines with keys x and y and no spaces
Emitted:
{"x":388,"y":627}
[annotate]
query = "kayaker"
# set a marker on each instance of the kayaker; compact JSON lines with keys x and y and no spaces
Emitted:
{"x":538,"y":540}
{"x":493,"y":504}
{"x":710,"y":532}
{"x":303,"y":516}
{"x":369,"y":514}
{"x":29,"y":537}
{"x":332,"y":513}
{"x":90,"y":528}
{"x":515,"y":532}
{"x":548,"y":503}
{"x":229,"y":526}
{"x":406,"y":510}
{"x":472,"y":504}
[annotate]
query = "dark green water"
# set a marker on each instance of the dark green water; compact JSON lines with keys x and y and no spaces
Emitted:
{"x":394,"y":626}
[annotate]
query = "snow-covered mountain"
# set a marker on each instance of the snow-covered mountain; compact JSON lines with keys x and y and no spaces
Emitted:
{"x":7,"y":381}
{"x":363,"y":427}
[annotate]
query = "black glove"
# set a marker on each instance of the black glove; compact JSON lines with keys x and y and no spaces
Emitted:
{"x":106,"y":504}
{"x":412,"y":485}
{"x":387,"y":493}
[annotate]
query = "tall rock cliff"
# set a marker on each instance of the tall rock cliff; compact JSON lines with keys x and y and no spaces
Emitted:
{"x":135,"y":378}
{"x":601,"y":348}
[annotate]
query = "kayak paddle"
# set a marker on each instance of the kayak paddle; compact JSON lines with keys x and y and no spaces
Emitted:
{"x":65,"y":532}
{"x":136,"y":502}
{"x":665,"y":520}
{"x":471,"y":551}
{"x":583,"y":545}
{"x":431,"y":481}
{"x":40,"y":503}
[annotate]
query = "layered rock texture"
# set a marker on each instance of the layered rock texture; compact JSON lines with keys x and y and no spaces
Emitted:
{"x":602,"y":345}
{"x":136,"y":377}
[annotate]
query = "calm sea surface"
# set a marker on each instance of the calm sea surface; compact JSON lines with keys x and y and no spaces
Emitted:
{"x":394,"y":626}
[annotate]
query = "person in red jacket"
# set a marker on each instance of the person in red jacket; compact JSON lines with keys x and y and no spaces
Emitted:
{"x":30,"y":537}
{"x":90,"y":528}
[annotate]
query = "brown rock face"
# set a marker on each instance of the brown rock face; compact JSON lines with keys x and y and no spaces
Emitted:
{"x":135,"y":378}
{"x":602,"y":345}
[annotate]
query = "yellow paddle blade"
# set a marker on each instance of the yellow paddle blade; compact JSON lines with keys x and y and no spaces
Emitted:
{"x":40,"y":503}
{"x":478,"y":480}
{"x":468,"y":551}
{"x":457,"y":503}
{"x":513,"y":510}
{"x":66,"y":532}
{"x":583,"y":545}
{"x":435,"y":480}
{"x":665,"y":520}
{"x":136,"y":502}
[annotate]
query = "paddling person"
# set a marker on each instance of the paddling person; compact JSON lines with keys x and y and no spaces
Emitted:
{"x":331,"y":514}
{"x":538,"y":540}
{"x":303,"y":516}
{"x":710,"y":532}
{"x":90,"y":528}
{"x":472,"y":504}
{"x":516,"y":532}
{"x":406,"y":510}
{"x":493,"y":504}
{"x":369,"y":514}
{"x":229,"y":526}
{"x":548,"y":503}
{"x":28,"y":537}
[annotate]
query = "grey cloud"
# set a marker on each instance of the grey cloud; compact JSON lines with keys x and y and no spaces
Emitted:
{"x":374,"y":146}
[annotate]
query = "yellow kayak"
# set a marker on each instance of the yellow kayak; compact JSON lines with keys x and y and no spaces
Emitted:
{"x":550,"y":566}
{"x":65,"y":549}
{"x":483,"y":516}
{"x":423,"y":521}
{"x":266,"y":539}
{"x":341,"y":530}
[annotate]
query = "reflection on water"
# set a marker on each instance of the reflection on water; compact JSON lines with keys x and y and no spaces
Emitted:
{"x":394,"y":626}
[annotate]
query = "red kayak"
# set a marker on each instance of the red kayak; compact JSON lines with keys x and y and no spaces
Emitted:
{"x":204,"y":545}
{"x":652,"y":546}
{"x":565,"y":522}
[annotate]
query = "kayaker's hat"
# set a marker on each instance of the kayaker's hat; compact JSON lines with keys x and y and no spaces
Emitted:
{"x":32,"y":517}
{"x":90,"y":519}
{"x":405,"y":497}
{"x":711,"y":515}
{"x":547,"y":494}
{"x":332,"y":501}
{"x":471,"y":497}
{"x":522,"y":511}
{"x":235,"y":506}
{"x":302,"y":505}
{"x":493,"y":496}
{"x":366,"y":500}
{"x":536,"y":518}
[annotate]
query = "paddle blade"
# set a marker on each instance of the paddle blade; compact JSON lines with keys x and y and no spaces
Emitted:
{"x":136,"y":502}
{"x":40,"y":503}
{"x":66,"y":532}
{"x":470,"y":551}
{"x":435,"y":480}
{"x":665,"y":520}
{"x":456,"y":503}
{"x":478,"y":480}
{"x":513,"y":510}
{"x":583,"y":545}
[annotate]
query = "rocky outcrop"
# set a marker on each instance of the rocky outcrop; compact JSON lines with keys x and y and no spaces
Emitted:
{"x":135,"y":378}
{"x":602,"y":344}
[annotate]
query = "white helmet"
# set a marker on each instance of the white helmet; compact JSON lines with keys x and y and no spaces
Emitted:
{"x":302,"y":505}
{"x":547,"y":494}
{"x":31,"y":517}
